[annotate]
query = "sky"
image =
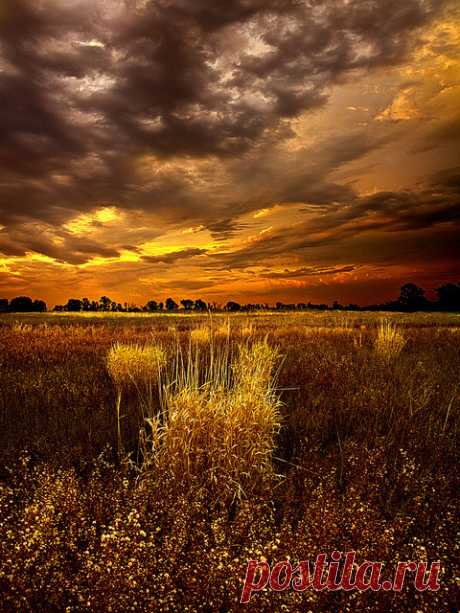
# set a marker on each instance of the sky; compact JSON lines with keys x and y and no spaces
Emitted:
{"x":248,"y":150}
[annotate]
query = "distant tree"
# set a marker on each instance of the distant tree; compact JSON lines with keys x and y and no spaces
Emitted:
{"x":152,"y":305}
{"x":412,"y":297}
{"x":233,"y":306}
{"x":94,"y":306}
{"x":200,"y":305}
{"x":281,"y":306}
{"x":318,"y":307}
{"x":24,"y":304}
{"x":4,"y":305}
{"x":21,"y":304}
{"x":160,"y":306}
{"x":187,"y":304}
{"x":74,"y":305}
{"x":86,"y":304}
{"x":449,"y":297}
{"x":105,"y":303}
{"x":39,"y":306}
{"x":170,"y":304}
{"x":337,"y":306}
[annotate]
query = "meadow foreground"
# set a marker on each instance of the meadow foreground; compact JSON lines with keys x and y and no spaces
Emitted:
{"x":146,"y":458}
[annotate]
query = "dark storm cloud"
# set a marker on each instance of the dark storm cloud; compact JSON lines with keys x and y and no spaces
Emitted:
{"x":444,"y":131}
{"x":170,"y":258}
{"x":191,"y":73}
{"x":225,"y":228}
{"x":72,"y":249}
{"x":87,"y":88}
{"x":430,"y":206}
{"x":306,"y":272}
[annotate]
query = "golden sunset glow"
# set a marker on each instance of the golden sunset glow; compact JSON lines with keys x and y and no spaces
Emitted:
{"x":262,"y":176}
{"x":89,"y":222}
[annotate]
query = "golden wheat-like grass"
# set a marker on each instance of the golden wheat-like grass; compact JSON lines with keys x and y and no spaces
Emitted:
{"x":222,"y":432}
{"x":201,"y":335}
{"x":389,"y":341}
{"x":139,"y":365}
{"x":247,"y":329}
{"x":132,"y":363}
{"x":223,"y":330}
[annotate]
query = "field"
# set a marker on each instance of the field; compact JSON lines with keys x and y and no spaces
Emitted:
{"x":146,"y":458}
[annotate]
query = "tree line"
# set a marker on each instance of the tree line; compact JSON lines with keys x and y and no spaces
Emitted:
{"x":412,"y":298}
{"x":22,"y":304}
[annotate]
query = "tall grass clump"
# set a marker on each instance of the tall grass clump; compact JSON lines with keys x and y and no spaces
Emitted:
{"x":138,"y":366}
{"x":389,"y":342}
{"x":133,"y":363}
{"x":221,"y":432}
{"x":223,"y":330}
{"x":247,"y":329}
{"x":202,"y":335}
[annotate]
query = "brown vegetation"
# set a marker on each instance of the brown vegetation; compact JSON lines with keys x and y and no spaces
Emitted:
{"x":146,"y":458}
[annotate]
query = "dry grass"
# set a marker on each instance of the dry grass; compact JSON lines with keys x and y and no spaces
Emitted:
{"x":132,"y":363}
{"x":224,"y":330}
{"x":389,"y":341}
{"x":220,"y":431}
{"x":300,"y":438}
{"x":247,"y":329}
{"x":202,"y":334}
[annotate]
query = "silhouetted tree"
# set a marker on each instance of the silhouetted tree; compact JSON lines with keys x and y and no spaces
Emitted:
{"x":233,"y":306}
{"x":449,"y":297}
{"x":200,"y":305}
{"x":21,"y":304}
{"x":105,"y":303}
{"x":152,"y":305}
{"x":170,"y":304}
{"x":187,"y":304}
{"x":86,"y":304}
{"x":412,"y":297}
{"x":39,"y":306}
{"x":74,"y":305}
{"x":4,"y":305}
{"x":318,"y":307}
{"x":281,"y":306}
